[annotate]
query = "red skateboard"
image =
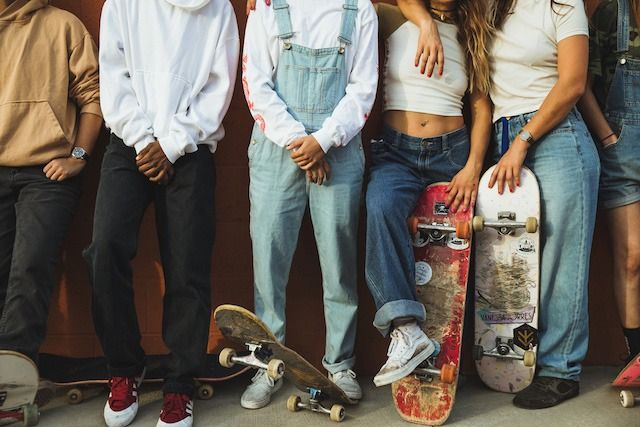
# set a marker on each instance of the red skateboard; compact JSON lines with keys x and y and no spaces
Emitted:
{"x":629,"y":377}
{"x":442,"y":247}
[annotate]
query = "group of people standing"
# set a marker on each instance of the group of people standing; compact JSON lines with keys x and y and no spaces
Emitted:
{"x":163,"y":81}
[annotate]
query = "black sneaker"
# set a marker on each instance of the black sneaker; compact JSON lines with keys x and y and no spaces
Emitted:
{"x":545,"y":392}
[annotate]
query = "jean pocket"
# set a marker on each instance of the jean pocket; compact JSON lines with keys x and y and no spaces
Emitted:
{"x":458,"y":154}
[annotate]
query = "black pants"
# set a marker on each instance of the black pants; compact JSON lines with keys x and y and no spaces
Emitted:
{"x":35,"y":214}
{"x":185,"y":225}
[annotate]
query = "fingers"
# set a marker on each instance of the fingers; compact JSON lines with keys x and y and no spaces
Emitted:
{"x":47,"y":168}
{"x":159,"y":177}
{"x":431,"y":63}
{"x":309,"y":165}
{"x":494,"y":177}
{"x":419,"y":52}
{"x":440,"y":60}
{"x":423,"y":61}
{"x":295,"y":144}
{"x":143,"y":153}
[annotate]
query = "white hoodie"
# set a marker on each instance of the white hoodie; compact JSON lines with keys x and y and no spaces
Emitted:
{"x":167,"y":71}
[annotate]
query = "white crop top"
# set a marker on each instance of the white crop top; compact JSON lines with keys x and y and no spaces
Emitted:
{"x":405,"y":89}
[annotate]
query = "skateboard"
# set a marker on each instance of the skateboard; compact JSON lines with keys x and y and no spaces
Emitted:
{"x":244,"y":327}
{"x":18,"y":387}
{"x":75,"y":374}
{"x":442,"y":248}
{"x":629,"y":377}
{"x":507,"y":257}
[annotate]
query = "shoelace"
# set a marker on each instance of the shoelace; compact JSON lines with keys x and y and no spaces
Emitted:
{"x":259,"y":377}
{"x":174,"y":407}
{"x":121,"y":389}
{"x":399,"y":344}
{"x":342,"y":374}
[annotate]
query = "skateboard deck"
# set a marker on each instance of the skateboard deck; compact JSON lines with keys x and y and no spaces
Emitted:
{"x":629,"y":377}
{"x":442,"y":247}
{"x":74,"y":373}
{"x":18,"y":387}
{"x":245,"y":328}
{"x":507,"y":246}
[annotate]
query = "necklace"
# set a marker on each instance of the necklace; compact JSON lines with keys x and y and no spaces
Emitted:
{"x":440,"y":12}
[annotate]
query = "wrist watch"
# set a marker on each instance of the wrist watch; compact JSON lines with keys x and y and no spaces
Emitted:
{"x":526,"y":136}
{"x":79,"y":153}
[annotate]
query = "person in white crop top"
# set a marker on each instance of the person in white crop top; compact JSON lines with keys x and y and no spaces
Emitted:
{"x":539,"y":68}
{"x":424,"y":141}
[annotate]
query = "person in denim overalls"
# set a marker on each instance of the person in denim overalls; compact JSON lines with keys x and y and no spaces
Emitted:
{"x":311,"y":86}
{"x":615,"y":70}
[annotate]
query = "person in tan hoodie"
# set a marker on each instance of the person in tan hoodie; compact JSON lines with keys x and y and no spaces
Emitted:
{"x":49,"y":120}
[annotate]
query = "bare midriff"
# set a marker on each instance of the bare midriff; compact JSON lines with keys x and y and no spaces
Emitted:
{"x":422,"y":125}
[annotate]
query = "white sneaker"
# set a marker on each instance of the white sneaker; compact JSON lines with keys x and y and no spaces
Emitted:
{"x":258,"y":394}
{"x":122,"y":405}
{"x":409,"y":347}
{"x":346,"y":380}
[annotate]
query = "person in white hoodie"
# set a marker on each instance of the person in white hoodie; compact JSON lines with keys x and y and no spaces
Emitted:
{"x":167,"y":72}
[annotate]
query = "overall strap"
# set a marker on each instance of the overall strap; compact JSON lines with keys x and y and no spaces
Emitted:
{"x":283,"y":19}
{"x":349,"y":14}
{"x":623,"y":26}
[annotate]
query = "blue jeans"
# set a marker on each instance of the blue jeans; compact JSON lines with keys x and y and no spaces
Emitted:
{"x":280,"y":192}
{"x":402,"y":167}
{"x":566,"y":164}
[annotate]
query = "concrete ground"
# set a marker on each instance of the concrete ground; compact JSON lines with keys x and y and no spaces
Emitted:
{"x":475,"y":406}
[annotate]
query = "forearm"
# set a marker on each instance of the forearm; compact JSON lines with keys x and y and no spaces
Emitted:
{"x":480,"y":129}
{"x":88,"y":131}
{"x":593,"y":116}
{"x":415,"y":11}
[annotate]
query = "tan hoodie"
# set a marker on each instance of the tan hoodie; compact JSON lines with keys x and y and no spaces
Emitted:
{"x":48,"y":77}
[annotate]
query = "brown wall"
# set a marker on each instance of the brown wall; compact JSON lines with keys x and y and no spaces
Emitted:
{"x":70,"y":327}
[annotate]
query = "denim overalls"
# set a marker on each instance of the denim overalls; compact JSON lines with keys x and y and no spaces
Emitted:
{"x":311,"y":82}
{"x":620,"y":180}
{"x":565,"y":161}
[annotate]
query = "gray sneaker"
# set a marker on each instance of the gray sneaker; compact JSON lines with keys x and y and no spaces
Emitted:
{"x":258,"y":394}
{"x":409,"y":347}
{"x":346,"y":380}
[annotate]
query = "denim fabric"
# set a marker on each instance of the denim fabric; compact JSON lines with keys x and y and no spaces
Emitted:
{"x":402,"y":166}
{"x":185,"y":225}
{"x":35,"y":214}
{"x":620,"y":179}
{"x":311,"y":82}
{"x":565,"y":162}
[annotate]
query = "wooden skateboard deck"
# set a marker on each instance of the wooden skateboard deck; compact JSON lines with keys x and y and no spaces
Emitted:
{"x":507,"y":246}
{"x":442,"y":269}
{"x":244,"y":327}
{"x":73,"y":373}
{"x":629,"y":377}
{"x":18,"y":387}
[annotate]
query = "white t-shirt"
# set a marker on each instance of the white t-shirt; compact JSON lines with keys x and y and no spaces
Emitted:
{"x":524,"y":55}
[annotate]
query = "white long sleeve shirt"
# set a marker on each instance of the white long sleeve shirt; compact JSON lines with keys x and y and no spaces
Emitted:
{"x":167,"y":71}
{"x":316,"y":24}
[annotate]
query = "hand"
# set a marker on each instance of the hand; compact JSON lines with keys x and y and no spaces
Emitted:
{"x":251,"y":5}
{"x":508,"y":168}
{"x":319,"y":174}
{"x":63,"y":168}
{"x":463,"y":189}
{"x":306,"y":152}
{"x":153,"y":163}
{"x":430,"y":49}
{"x":609,"y":141}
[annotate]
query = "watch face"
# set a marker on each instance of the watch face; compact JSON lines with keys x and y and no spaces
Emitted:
{"x":78,"y":152}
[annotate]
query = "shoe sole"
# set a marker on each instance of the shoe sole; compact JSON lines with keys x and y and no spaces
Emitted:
{"x":411,"y":366}
{"x":262,"y":403}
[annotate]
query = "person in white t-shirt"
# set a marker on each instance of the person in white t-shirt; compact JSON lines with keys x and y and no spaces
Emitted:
{"x":539,"y":72}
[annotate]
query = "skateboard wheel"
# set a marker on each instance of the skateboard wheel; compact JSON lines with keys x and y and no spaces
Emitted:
{"x":529,"y":359}
{"x":478,"y":223}
{"x":226,"y":357}
{"x":448,"y":373}
{"x":337,"y":413}
{"x":75,"y":396}
{"x":292,"y":403}
{"x":205,"y":391}
{"x":478,"y":352}
{"x":463,"y":231}
{"x":31,"y":415}
{"x":275,"y":369}
{"x":626,"y":399}
{"x":531,"y":226}
{"x":412,"y":222}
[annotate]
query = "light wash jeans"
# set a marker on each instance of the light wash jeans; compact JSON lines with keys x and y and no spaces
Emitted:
{"x":566,"y":164}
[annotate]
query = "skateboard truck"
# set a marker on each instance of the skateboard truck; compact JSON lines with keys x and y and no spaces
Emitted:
{"x":256,"y":359}
{"x":506,"y":223}
{"x":28,"y":414}
{"x":628,"y":400}
{"x":295,"y":404}
{"x":438,"y":232}
{"x":505,"y":350}
{"x":427,"y":370}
